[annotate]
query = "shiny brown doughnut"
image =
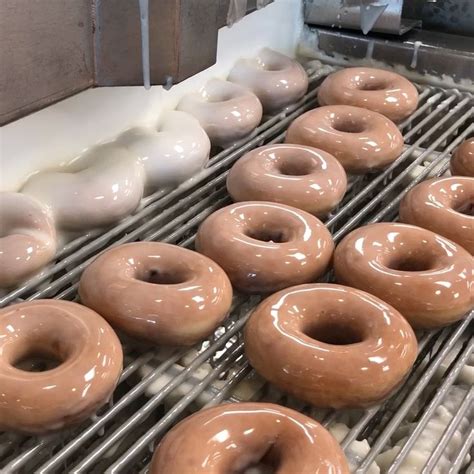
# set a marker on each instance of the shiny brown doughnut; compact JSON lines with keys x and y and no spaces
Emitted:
{"x":330,"y":345}
{"x":89,"y":356}
{"x":428,"y":278}
{"x":157,"y":292}
{"x":360,"y":139}
{"x":382,"y":91}
{"x":444,"y":206}
{"x":296,"y":175}
{"x":236,"y":437}
{"x":462,"y":161}
{"x":264,"y":246}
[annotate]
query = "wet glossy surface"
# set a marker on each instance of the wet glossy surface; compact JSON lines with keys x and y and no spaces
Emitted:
{"x":360,"y":139}
{"x":274,"y":78}
{"x":91,"y":363}
{"x":296,"y":175}
{"x":330,"y":345}
{"x":382,"y":91}
{"x":226,"y":111}
{"x":157,"y":292}
{"x":462,"y":161}
{"x":428,"y":278}
{"x":27,"y":238}
{"x":265,"y":246}
{"x":444,"y":206}
{"x":104,"y":186}
{"x":234,"y":437}
{"x":173,"y":153}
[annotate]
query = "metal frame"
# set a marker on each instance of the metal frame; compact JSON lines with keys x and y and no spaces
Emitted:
{"x":121,"y":437}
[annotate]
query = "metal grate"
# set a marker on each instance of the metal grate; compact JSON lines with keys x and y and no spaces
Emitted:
{"x":159,"y":387}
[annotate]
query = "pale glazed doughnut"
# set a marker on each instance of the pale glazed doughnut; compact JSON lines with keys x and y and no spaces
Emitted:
{"x":157,"y":292}
{"x":330,"y":345}
{"x":173,"y":153}
{"x":226,"y":111}
{"x":235,"y":437}
{"x":382,"y":91}
{"x":444,"y":206}
{"x":462,"y":161}
{"x":27,"y":238}
{"x":360,"y":139}
{"x":90,"y":362}
{"x":296,"y":175}
{"x":102,"y":187}
{"x":426,"y":277}
{"x":274,"y":78}
{"x":264,"y":246}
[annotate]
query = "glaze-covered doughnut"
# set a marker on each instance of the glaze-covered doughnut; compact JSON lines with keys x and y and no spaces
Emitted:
{"x":264,"y":246}
{"x":236,"y":437}
{"x":157,"y":292}
{"x":102,"y":187}
{"x":82,"y":357}
{"x":426,"y":277}
{"x":226,"y":111}
{"x":274,"y":78}
{"x":330,"y":345}
{"x":462,"y":161}
{"x":296,"y":175}
{"x":382,"y":91}
{"x":27,"y":238}
{"x":444,"y":206}
{"x":173,"y":153}
{"x":360,"y":139}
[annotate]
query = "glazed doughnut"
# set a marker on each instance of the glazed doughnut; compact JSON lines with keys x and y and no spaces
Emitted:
{"x":330,"y":345}
{"x":296,"y":175}
{"x":274,"y":78}
{"x":84,"y":365}
{"x":426,"y":277}
{"x":264,"y":246}
{"x":27,"y":238}
{"x":382,"y":91}
{"x":226,"y":111}
{"x":173,"y":153}
{"x":360,"y":139}
{"x":462,"y":161}
{"x":238,"y":437}
{"x":444,"y":206}
{"x":102,"y":187}
{"x":157,"y":292}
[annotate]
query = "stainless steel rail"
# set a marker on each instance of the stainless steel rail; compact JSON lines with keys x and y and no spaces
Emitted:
{"x":122,"y":435}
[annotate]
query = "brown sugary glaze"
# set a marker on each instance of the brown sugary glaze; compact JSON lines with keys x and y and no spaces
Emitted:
{"x":236,"y":437}
{"x":330,"y":345}
{"x":296,"y":175}
{"x":27,"y":238}
{"x":264,"y":246}
{"x":158,"y":292}
{"x":382,"y":91}
{"x":426,"y":277}
{"x":462,"y":161}
{"x":89,"y":356}
{"x":444,"y":206}
{"x":360,"y":139}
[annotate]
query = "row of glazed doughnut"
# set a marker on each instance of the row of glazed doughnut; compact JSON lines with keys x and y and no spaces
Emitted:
{"x":106,"y":183}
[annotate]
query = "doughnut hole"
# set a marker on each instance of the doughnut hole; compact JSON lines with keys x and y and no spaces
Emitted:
{"x":269,"y":463}
{"x":372,"y":84}
{"x":277,"y":235}
{"x":348,"y":125}
{"x":412,"y":263}
{"x":465,"y":207}
{"x":164,"y":276}
{"x":40,"y":355}
{"x":296,"y":166}
{"x":335,"y":329}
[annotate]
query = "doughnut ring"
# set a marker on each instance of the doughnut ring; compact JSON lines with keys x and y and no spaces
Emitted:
{"x":381,"y":91}
{"x":444,"y":206}
{"x":426,"y":277}
{"x":83,"y":350}
{"x":296,"y":175}
{"x":157,"y":292}
{"x":462,"y":161}
{"x":234,"y":437}
{"x":360,"y":139}
{"x":263,"y":246}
